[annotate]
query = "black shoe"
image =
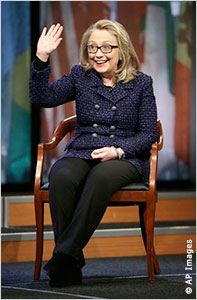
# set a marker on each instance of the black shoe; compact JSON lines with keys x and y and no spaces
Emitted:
{"x":58,"y":262}
{"x":72,"y":277}
{"x":63,"y":270}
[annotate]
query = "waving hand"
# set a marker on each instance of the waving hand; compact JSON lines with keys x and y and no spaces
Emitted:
{"x":49,"y":41}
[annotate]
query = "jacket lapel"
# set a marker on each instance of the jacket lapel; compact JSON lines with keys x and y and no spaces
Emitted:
{"x":120,"y":91}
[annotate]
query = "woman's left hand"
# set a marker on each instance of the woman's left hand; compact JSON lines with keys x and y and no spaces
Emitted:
{"x":104,"y":154}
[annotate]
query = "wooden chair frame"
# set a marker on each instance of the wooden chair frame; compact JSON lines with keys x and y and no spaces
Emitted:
{"x":144,"y":197}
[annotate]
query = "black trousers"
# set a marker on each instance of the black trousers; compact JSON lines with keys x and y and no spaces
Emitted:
{"x":79,"y":193}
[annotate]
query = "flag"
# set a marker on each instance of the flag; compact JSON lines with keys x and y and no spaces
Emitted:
{"x":132,"y":15}
{"x":15,"y":114}
{"x":159,"y":62}
{"x":183,"y":82}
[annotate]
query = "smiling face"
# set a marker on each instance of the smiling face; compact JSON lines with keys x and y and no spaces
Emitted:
{"x":104,"y":63}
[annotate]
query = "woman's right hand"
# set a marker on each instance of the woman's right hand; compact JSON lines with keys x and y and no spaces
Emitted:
{"x":49,"y":41}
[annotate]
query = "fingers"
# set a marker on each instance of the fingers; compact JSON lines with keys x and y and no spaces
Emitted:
{"x":51,"y":29}
{"x":104,"y":154}
{"x":101,"y":153}
{"x":57,"y":36}
{"x":55,"y":30}
{"x":97,"y":155}
{"x":98,"y":151}
{"x":44,"y":31}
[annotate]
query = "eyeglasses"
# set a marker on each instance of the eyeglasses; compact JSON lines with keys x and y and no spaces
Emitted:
{"x":104,"y":48}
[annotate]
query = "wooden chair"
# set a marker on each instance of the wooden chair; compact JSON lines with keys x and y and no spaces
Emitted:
{"x":143,"y":195}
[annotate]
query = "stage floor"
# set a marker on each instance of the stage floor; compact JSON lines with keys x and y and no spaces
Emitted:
{"x":106,"y":278}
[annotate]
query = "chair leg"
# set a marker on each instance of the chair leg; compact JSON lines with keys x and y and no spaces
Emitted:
{"x":155,"y":261}
{"x":147,"y":216}
{"x":39,"y":211}
{"x":157,"y":269}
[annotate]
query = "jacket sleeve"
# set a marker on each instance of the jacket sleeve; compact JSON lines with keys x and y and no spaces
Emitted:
{"x":146,"y":132}
{"x":52,"y":94}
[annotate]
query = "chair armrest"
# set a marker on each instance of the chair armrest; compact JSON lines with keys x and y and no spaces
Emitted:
{"x":64,"y":127}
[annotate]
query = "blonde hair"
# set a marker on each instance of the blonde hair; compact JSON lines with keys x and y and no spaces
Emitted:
{"x":129,"y":64}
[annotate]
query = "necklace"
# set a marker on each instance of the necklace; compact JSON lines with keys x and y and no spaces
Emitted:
{"x":110,"y":88}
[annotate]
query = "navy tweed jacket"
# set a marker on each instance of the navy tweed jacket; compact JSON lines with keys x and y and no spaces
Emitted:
{"x":125,"y":116}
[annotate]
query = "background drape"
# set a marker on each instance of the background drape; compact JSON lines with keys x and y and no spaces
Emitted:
{"x":15,"y":104}
{"x":163,"y":34}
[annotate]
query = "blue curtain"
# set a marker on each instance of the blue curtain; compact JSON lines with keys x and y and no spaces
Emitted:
{"x":15,"y":68}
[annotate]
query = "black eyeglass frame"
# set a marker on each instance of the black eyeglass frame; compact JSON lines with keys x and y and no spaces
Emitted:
{"x":100,"y":47}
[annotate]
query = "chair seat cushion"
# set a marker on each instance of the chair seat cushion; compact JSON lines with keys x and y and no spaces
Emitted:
{"x":45,"y":186}
{"x":138,"y":186}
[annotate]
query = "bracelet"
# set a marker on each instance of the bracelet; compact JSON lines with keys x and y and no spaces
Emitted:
{"x":118,"y":152}
{"x":122,"y":154}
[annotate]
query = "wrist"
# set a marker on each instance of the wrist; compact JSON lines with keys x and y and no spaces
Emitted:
{"x":42,"y":56}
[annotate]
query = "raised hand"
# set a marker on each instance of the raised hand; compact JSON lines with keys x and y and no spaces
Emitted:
{"x":49,"y":41}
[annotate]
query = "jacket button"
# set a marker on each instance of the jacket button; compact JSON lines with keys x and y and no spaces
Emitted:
{"x":94,"y":134}
{"x":113,"y":107}
{"x":97,"y":106}
{"x":112,"y":127}
{"x":95,"y":125}
{"x":111,"y":136}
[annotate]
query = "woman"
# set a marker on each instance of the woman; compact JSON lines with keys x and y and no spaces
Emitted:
{"x":116,"y":125}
